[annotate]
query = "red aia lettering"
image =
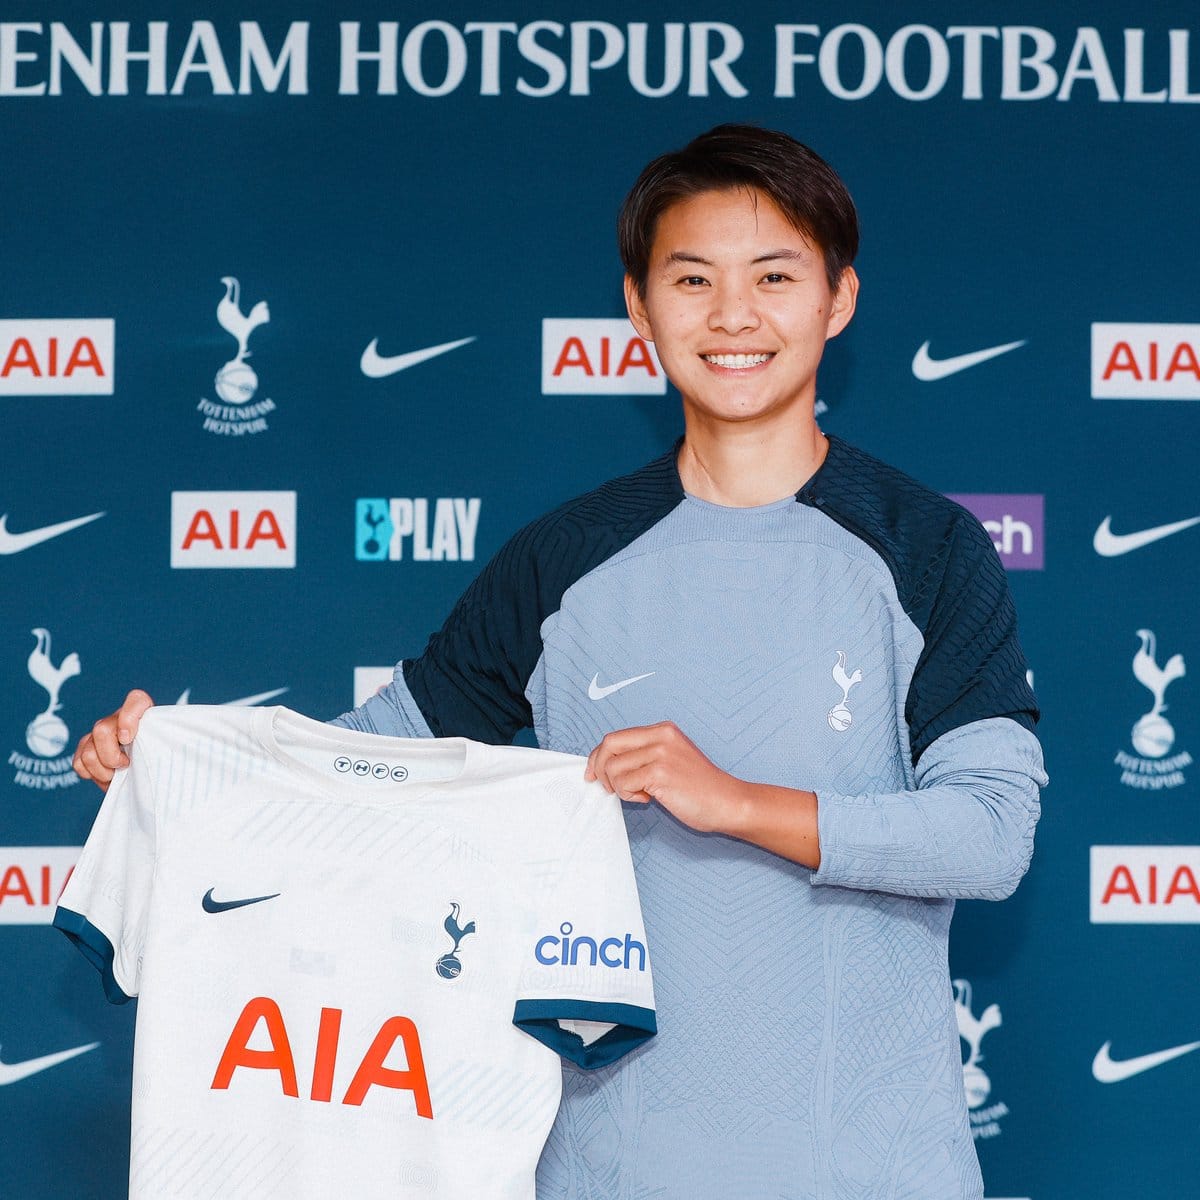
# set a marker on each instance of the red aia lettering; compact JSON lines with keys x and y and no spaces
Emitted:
{"x":574,"y":354}
{"x":1122,"y":883}
{"x":1183,"y":361}
{"x":22,"y":356}
{"x":371,"y":1071}
{"x":203,"y":528}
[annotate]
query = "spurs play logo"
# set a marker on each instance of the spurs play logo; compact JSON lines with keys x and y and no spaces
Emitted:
{"x":47,"y":735}
{"x":236,"y":381}
{"x":1152,"y":767}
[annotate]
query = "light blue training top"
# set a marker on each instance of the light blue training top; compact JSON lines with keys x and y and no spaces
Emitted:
{"x":857,"y":640}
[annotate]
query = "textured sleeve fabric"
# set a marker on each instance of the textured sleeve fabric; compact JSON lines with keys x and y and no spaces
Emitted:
{"x":586,"y":989}
{"x":105,"y":905}
{"x":966,"y":831}
{"x":391,"y":712}
{"x":471,"y":679}
{"x":972,"y":667}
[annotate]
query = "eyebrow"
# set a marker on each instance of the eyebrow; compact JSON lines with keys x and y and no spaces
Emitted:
{"x":682,"y":256}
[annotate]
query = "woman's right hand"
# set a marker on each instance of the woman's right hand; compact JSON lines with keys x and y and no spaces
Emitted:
{"x":102,"y":752}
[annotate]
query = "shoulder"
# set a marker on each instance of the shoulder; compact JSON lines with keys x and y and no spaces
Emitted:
{"x":578,"y":536}
{"x":922,"y":535}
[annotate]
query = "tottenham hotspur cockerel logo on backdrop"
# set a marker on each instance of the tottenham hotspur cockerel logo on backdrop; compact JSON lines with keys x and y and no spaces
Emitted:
{"x":1152,"y":766}
{"x":47,"y":735}
{"x":985,"y":1112}
{"x":234,"y":413}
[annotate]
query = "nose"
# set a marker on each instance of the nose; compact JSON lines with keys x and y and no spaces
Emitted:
{"x":733,"y":310}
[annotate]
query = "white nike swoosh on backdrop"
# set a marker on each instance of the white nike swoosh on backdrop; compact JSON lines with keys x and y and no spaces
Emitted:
{"x":14,"y":543}
{"x":1111,"y":544}
{"x":596,"y":692}
{"x":14,"y":1072}
{"x":928,"y":369}
{"x":244,"y":702}
{"x":1105,"y":1070}
{"x":375,"y":366}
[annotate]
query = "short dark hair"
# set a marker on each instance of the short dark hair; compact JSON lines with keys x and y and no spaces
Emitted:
{"x":805,"y":187}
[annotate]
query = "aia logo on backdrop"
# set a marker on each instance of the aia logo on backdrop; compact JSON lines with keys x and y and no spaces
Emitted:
{"x":585,"y":356}
{"x":1152,"y":766}
{"x":233,"y":529}
{"x":984,"y":1111}
{"x":43,"y":765}
{"x":235,"y":412}
{"x":1145,"y":362}
{"x":31,"y":880}
{"x":1145,"y":885}
{"x":57,"y":357}
{"x":1016,"y":525}
{"x":431,"y":529}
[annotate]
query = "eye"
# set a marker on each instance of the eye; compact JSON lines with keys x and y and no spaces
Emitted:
{"x":775,"y":277}
{"x":694,"y":281}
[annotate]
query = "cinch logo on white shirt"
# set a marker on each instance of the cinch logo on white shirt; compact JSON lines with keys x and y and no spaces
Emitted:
{"x":31,"y":880}
{"x":233,"y":529}
{"x":57,"y":357}
{"x":584,"y":356}
{"x":563,"y":950}
{"x":1145,"y":885}
{"x":1145,"y":362}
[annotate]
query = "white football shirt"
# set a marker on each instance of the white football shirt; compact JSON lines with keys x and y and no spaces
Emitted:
{"x":354,"y":954}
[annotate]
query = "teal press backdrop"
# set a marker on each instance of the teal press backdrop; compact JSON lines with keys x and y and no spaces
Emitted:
{"x":305,"y":308}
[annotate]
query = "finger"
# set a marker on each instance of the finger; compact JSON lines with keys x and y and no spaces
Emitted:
{"x":634,"y":773}
{"x":130,"y":713}
{"x":87,"y":763}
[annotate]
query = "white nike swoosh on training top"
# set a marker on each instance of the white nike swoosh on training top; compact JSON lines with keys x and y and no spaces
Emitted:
{"x":14,"y":543}
{"x":1111,"y":544}
{"x":244,"y":702}
{"x":375,"y":366}
{"x":1107,"y":1071}
{"x":596,"y":692}
{"x":928,"y":369}
{"x":15,"y":1072}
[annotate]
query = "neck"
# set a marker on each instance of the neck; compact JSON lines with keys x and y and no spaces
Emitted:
{"x":741,"y":468}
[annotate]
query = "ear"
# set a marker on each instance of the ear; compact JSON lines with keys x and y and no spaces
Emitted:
{"x":635,"y":305}
{"x":845,"y":300}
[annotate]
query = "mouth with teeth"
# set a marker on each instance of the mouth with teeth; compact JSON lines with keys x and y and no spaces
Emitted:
{"x":737,"y":362}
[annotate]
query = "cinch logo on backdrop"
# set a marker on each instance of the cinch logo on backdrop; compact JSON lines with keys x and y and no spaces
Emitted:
{"x":1016,"y":524}
{"x":31,"y":880}
{"x":233,"y":529}
{"x":1145,"y":362}
{"x":546,"y":58}
{"x":984,"y":1117}
{"x":439,"y":530}
{"x":45,"y":767}
{"x":1152,"y":766}
{"x":1145,"y":885}
{"x":55,"y":357}
{"x":236,"y":382}
{"x":587,"y":356}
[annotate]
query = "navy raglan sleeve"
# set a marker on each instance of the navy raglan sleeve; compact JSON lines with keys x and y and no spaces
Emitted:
{"x":966,"y":829}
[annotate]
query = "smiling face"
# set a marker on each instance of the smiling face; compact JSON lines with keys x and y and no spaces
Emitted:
{"x":739,"y":308}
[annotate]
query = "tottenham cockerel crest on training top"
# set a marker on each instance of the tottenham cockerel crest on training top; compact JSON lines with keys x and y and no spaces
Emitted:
{"x":45,"y":765}
{"x":235,"y":412}
{"x":1152,"y":766}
